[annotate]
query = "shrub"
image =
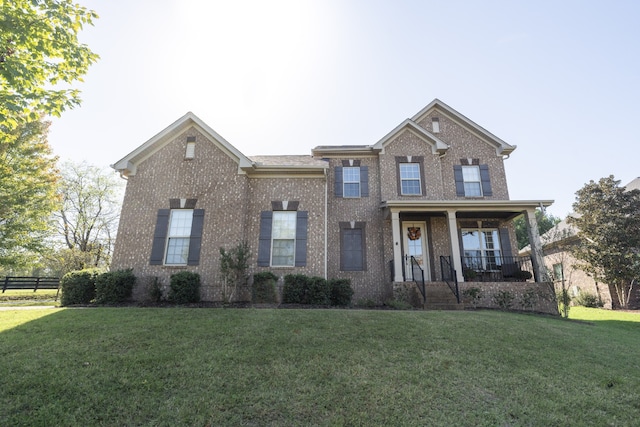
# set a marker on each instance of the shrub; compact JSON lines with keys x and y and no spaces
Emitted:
{"x":529,"y":299}
{"x":341,"y":292}
{"x":264,"y":288}
{"x":474,"y":294}
{"x":318,"y":291}
{"x":234,"y":264}
{"x":114,"y":287}
{"x":503,"y":299}
{"x":78,"y":287}
{"x":295,"y":289}
{"x":522,"y":275}
{"x":397,"y":304}
{"x":586,"y":299}
{"x":564,"y":302}
{"x":184,"y":288}
{"x":155,"y":290}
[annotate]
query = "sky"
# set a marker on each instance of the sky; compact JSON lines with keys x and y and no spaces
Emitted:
{"x":559,"y":79}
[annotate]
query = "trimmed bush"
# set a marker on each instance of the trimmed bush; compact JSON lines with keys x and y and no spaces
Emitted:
{"x":263,"y":289}
{"x":114,"y":287}
{"x":503,"y":299}
{"x":586,"y":299}
{"x":295,"y":289}
{"x":318,"y":291}
{"x":184,"y":288}
{"x":341,"y":292}
{"x":78,"y":287}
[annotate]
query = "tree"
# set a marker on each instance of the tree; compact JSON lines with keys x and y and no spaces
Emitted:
{"x":608,"y":219}
{"x":87,"y":220}
{"x":39,"y":50}
{"x":28,"y":185}
{"x":545,"y":223}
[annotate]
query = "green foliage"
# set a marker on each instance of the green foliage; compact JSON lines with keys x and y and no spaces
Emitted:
{"x":78,"y":287}
{"x":234,"y":264}
{"x":398,"y":304}
{"x":28,"y":184}
{"x":503,"y":299}
{"x":300,"y":289}
{"x":184,"y":288}
{"x":608,"y":219}
{"x":545,"y":223}
{"x":294,"y":290}
{"x":39,"y":52}
{"x":469,"y":274}
{"x":522,"y":275}
{"x":586,"y":299}
{"x":264,"y":288}
{"x":114,"y":287}
{"x":529,"y":299}
{"x":155,"y":291}
{"x":341,"y":292}
{"x":564,"y":302}
{"x":474,"y":295}
{"x":88,"y":217}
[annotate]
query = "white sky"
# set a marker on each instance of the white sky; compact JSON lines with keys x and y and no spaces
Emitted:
{"x":559,"y":79}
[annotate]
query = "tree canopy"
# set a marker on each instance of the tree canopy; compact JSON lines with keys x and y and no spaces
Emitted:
{"x":608,"y":219}
{"x":545,"y":223}
{"x":28,"y":193}
{"x":39,"y":52}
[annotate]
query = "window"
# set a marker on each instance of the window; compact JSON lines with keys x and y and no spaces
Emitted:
{"x":481,"y":249}
{"x":472,"y":182}
{"x":410,"y":179}
{"x":178,"y":237}
{"x":351,"y":181}
{"x":352,"y":246}
{"x":558,"y":272}
{"x":191,"y":150}
{"x":283,"y":235}
{"x":472,"y":179}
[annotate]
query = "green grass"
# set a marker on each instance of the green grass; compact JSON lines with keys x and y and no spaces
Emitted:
{"x":198,"y":367}
{"x":27,"y":297}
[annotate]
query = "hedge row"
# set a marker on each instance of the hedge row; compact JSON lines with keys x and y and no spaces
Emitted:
{"x":86,"y":286}
{"x":301,"y":289}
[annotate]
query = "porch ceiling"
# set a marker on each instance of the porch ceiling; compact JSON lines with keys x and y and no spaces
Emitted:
{"x":466,"y":208}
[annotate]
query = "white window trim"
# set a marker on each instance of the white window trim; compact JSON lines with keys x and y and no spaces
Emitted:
{"x":419,"y":179}
{"x":170,"y":236}
{"x":465,"y":181}
{"x":190,"y":152}
{"x":293,"y":263}
{"x":483,"y":250}
{"x":345,"y":182}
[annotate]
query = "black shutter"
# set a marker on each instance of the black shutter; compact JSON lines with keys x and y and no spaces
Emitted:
{"x":160,"y":237}
{"x":505,"y":242}
{"x":195,"y":240}
{"x":264,"y":240}
{"x":338,"y":181}
{"x":364,"y":181}
{"x":457,"y":176}
{"x":486,"y":182}
{"x":302,"y":221}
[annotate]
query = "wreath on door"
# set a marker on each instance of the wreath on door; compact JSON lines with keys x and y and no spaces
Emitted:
{"x":414,"y":233}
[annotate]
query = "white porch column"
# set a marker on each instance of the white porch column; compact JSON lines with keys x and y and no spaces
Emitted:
{"x":537,"y":260}
{"x":455,"y":244}
{"x":397,"y":247}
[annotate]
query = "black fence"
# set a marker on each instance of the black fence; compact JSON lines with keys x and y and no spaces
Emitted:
{"x":496,"y":268}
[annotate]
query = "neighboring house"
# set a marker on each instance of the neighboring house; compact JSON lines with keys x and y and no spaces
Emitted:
{"x":560,"y":263}
{"x":433,"y":191}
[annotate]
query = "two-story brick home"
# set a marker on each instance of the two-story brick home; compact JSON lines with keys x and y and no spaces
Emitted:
{"x":429,"y":199}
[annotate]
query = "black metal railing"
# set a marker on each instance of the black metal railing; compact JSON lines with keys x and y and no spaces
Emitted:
{"x":417,"y":274}
{"x":496,"y":268}
{"x":449,"y":275}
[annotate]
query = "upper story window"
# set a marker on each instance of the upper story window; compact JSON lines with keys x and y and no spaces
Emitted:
{"x":410,"y":179}
{"x":435,"y":125}
{"x":179,"y":236}
{"x":351,"y":181}
{"x":472,"y":181}
{"x":191,"y":148}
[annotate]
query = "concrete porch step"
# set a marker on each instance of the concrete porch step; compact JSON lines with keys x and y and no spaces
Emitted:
{"x":440,"y":297}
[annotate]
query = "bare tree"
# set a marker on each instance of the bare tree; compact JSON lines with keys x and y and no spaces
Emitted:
{"x":88,"y":219}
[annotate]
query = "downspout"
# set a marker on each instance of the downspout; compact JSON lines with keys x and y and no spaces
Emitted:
{"x":326,"y":220}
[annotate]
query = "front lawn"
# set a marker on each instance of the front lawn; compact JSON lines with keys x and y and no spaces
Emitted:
{"x":198,"y":367}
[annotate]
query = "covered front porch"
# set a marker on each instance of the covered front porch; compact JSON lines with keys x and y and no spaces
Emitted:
{"x":466,"y":240}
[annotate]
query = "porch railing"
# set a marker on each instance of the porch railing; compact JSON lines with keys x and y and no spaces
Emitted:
{"x":417,"y":273}
{"x":496,"y":268}
{"x":449,"y":275}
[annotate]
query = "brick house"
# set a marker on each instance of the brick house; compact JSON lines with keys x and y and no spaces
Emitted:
{"x":429,"y":199}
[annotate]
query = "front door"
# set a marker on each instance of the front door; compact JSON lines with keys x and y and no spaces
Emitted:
{"x":415,"y":245}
